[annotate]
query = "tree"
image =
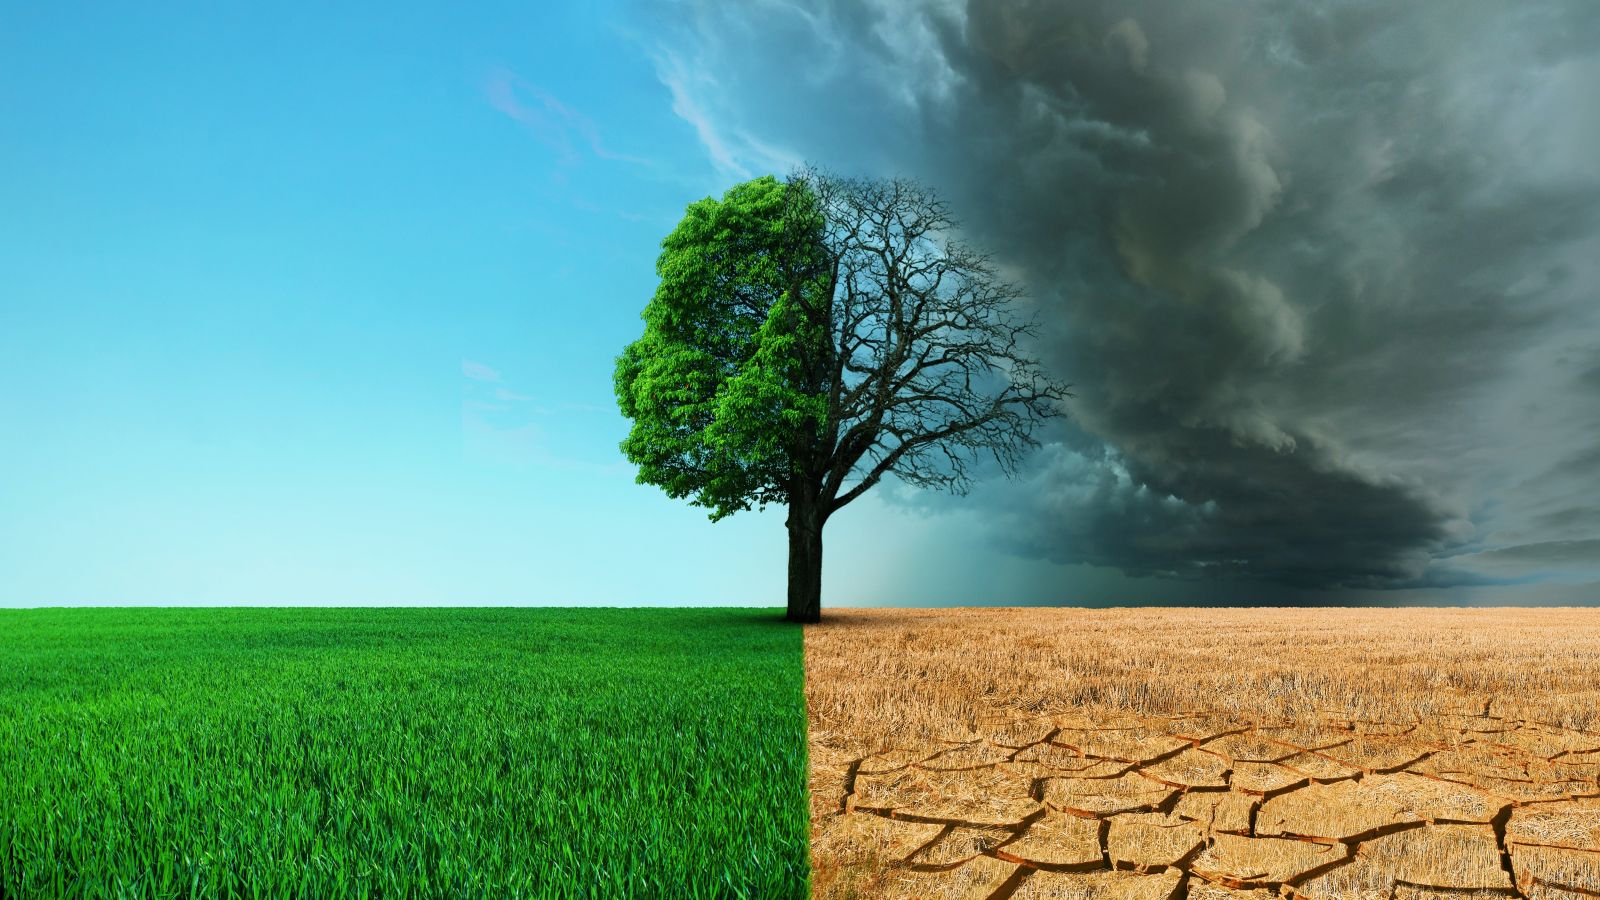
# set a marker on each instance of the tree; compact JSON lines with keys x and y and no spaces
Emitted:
{"x":809,"y":337}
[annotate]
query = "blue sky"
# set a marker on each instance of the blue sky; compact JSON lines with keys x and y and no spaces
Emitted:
{"x":312,"y":304}
{"x":319,"y":305}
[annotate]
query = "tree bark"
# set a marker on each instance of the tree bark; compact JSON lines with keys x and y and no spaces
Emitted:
{"x":805,"y":563}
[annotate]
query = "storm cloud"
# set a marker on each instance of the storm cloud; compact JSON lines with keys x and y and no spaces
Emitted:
{"x":1323,"y":276}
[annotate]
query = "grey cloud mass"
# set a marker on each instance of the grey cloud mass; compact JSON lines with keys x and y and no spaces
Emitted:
{"x":1325,"y":276}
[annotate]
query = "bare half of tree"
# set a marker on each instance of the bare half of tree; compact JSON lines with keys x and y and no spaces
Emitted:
{"x":928,"y":366}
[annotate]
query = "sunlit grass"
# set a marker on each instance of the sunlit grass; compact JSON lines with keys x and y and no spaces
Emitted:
{"x":416,"y":752}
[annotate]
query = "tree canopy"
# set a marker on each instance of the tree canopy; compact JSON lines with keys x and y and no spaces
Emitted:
{"x":812,"y":335}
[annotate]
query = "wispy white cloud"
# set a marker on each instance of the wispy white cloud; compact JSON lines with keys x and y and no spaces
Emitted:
{"x":733,"y":152}
{"x":477,"y":371}
{"x":675,"y":75}
{"x":501,"y":425}
{"x":558,"y":126}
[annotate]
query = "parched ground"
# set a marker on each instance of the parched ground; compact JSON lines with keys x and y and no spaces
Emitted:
{"x":1414,"y":754}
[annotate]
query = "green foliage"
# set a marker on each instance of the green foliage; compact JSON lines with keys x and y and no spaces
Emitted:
{"x":767,"y":410}
{"x":401,"y":753}
{"x":722,"y":386}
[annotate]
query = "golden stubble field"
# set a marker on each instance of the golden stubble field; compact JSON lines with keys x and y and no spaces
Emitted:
{"x":1146,"y":754}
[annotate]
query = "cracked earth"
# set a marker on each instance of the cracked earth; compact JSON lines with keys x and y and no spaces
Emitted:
{"x":1137,"y":806}
{"x":1205,"y":806}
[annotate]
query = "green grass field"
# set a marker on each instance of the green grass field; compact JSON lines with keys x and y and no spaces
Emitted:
{"x":401,"y":753}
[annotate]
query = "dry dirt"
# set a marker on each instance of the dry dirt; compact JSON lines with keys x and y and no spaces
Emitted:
{"x":1211,"y":754}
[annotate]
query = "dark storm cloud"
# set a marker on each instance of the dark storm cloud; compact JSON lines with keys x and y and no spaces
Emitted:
{"x":1323,"y":275}
{"x":1590,"y":381}
{"x":1550,"y":552}
{"x":1541,"y":562}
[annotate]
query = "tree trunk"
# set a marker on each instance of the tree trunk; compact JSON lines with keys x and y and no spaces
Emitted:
{"x":805,"y":564}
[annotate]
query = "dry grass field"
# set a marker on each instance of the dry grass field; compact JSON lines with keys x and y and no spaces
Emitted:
{"x":1150,"y":754}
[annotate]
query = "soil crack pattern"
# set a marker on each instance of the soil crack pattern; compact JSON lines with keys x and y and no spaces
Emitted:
{"x":1469,"y":804}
